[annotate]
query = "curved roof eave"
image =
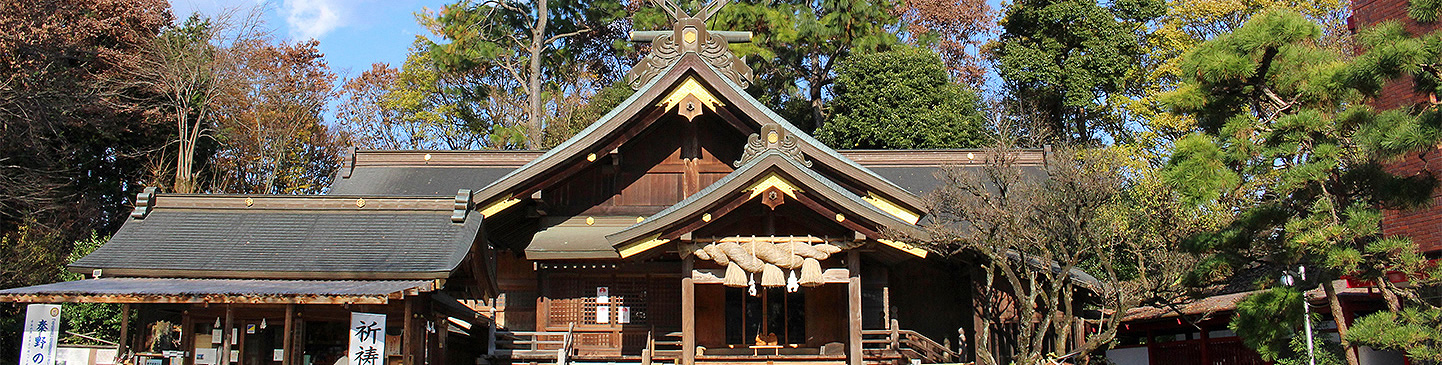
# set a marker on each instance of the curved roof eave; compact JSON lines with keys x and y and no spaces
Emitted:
{"x":673,"y":74}
{"x":753,"y":169}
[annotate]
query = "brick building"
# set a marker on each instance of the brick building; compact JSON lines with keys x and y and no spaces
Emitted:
{"x":1424,"y":226}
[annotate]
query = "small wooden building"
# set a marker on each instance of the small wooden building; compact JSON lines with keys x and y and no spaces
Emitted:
{"x":284,"y":273}
{"x":690,"y":225}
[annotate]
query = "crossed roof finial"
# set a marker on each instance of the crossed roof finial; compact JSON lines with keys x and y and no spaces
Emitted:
{"x":689,"y":35}
{"x":677,"y":13}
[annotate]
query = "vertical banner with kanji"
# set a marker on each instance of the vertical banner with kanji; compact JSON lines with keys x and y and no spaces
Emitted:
{"x":367,"y":339}
{"x":42,"y":325}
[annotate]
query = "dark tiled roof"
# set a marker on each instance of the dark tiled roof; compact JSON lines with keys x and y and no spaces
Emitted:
{"x":406,"y":173}
{"x":424,"y":173}
{"x":577,"y":241}
{"x":917,"y":170}
{"x":177,"y":286}
{"x":1226,"y":303}
{"x":288,"y":237}
{"x":415,"y":181}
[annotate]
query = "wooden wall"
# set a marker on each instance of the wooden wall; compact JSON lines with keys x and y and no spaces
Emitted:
{"x":932,"y":298}
{"x":658,"y":168}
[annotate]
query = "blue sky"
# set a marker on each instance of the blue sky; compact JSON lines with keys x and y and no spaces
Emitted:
{"x":353,"y":34}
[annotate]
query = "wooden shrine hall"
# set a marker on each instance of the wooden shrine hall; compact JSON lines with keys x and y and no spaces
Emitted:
{"x":690,"y":225}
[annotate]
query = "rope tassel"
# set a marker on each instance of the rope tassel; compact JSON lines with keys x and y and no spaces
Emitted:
{"x":811,"y":273}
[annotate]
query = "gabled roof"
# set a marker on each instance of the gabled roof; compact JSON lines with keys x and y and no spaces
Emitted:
{"x":387,"y":172}
{"x":597,"y":137}
{"x":124,"y":290}
{"x":766,"y":165}
{"x":289,"y":237}
{"x":423,"y":173}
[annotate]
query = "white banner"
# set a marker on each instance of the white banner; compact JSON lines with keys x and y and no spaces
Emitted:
{"x":42,"y":326}
{"x":367,"y":339}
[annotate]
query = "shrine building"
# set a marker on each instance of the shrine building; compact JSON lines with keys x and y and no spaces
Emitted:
{"x":690,"y":225}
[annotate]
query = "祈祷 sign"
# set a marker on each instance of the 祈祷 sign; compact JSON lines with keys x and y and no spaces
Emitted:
{"x":367,"y":339}
{"x":42,"y":326}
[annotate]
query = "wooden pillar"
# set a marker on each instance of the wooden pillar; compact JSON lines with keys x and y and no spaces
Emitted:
{"x":410,"y":334}
{"x":287,"y":341}
{"x":853,"y":308}
{"x":688,"y":313}
{"x":225,"y":338}
{"x":886,"y":304}
{"x":187,"y":337}
{"x":1206,"y":342}
{"x":443,"y":324}
{"x":124,"y":344}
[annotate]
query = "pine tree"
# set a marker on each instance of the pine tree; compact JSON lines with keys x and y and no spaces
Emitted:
{"x":1285,"y":138}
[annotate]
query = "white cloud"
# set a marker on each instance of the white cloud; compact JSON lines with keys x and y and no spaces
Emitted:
{"x":313,"y":18}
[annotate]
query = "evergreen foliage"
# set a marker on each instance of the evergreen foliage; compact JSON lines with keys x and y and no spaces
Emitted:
{"x":1416,"y":332}
{"x":1284,"y":138}
{"x":99,"y":320}
{"x":1069,"y":61}
{"x":797,"y":46}
{"x":1265,"y":320}
{"x":901,"y":98}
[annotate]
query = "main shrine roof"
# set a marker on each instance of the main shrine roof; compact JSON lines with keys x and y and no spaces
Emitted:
{"x":287,"y":237}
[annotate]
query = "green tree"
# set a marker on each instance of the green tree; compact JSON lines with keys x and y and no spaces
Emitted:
{"x":1071,"y":63}
{"x":1416,"y":332}
{"x":523,"y":51}
{"x":596,"y":107}
{"x":97,"y":320}
{"x":1188,"y":23}
{"x":902,"y":98}
{"x":797,"y":46}
{"x":1284,"y":139}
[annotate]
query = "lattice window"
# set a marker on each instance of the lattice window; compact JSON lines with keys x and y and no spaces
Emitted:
{"x":573,"y":298}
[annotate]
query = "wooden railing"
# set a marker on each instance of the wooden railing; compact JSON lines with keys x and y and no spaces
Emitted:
{"x":536,"y":345}
{"x":907,"y":344}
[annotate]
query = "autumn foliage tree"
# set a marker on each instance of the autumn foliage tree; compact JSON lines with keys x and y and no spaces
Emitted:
{"x":269,"y":123}
{"x":1078,"y":240}
{"x":75,"y":143}
{"x":955,"y":29}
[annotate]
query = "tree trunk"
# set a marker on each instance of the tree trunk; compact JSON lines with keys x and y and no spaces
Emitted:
{"x":533,"y":94}
{"x":1341,"y":319}
{"x":1394,"y":303}
{"x":817,"y":117}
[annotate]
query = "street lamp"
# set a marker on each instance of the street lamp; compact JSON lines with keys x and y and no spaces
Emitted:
{"x":1301,"y":275}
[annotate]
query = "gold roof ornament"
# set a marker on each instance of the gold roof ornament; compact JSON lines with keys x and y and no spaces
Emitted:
{"x":689,"y":35}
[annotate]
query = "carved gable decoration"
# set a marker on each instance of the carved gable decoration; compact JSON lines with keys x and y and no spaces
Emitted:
{"x":775,"y":138}
{"x":689,"y":35}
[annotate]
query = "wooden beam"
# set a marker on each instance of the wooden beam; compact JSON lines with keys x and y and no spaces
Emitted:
{"x":729,"y":206}
{"x":225,"y":338}
{"x":630,"y":133}
{"x":688,"y":314}
{"x":123,"y":344}
{"x":730,"y":118}
{"x":196,"y":299}
{"x":409,"y":332}
{"x":853,"y":308}
{"x":717,"y":276}
{"x":287,"y":342}
{"x":848,"y":222}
